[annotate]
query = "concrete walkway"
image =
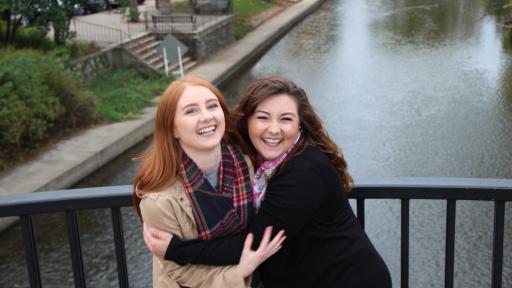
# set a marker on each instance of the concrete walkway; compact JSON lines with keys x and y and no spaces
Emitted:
{"x":68,"y":161}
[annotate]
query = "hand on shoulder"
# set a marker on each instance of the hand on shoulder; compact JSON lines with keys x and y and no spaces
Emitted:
{"x":156,"y":240}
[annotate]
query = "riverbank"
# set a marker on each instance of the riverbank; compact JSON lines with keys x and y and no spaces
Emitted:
{"x":72,"y":159}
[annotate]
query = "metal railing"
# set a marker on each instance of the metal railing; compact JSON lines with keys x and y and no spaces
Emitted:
{"x":452,"y":190}
{"x":184,"y":20}
{"x":102,"y":35}
{"x":69,"y":201}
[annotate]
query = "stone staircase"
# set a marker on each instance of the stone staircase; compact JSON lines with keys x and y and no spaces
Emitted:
{"x":145,"y":47}
{"x":188,"y":64}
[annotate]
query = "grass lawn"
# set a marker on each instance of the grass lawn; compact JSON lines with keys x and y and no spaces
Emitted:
{"x":249,"y":8}
{"x":242,"y":9}
{"x":124,"y":93}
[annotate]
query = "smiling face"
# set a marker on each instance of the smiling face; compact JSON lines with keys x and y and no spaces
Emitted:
{"x":274,"y":125}
{"x":199,"y":121}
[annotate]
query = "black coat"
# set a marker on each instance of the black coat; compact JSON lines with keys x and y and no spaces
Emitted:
{"x":325,"y":245}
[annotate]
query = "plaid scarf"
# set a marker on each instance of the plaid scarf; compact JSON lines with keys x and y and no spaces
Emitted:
{"x":265,"y":171}
{"x":226,"y":210}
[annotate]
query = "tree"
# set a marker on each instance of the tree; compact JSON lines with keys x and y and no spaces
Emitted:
{"x":59,"y":14}
{"x":41,"y":13}
{"x":13,"y":14}
{"x":130,"y":9}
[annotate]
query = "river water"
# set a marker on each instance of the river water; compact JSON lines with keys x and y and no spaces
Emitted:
{"x":406,"y":88}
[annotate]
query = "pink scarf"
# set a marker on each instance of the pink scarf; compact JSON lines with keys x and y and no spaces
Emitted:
{"x":265,"y":170}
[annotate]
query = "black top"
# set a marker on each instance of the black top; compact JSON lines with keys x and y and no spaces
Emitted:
{"x":325,"y":245}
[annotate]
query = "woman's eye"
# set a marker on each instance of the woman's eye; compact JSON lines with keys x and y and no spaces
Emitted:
{"x":190,"y":111}
{"x":287,"y":119}
{"x":214,"y":105}
{"x":261,"y":117}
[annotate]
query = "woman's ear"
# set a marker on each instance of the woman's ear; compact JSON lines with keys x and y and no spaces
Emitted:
{"x":176,"y":135}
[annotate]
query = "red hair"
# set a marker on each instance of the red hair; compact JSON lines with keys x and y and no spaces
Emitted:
{"x":160,"y":166}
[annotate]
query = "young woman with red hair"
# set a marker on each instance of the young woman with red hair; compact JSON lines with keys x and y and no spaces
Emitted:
{"x":195,"y":182}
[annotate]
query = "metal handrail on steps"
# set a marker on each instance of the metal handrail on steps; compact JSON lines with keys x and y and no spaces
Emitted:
{"x":102,"y":35}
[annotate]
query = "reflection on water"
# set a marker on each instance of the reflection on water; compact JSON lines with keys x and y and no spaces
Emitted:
{"x":412,"y":88}
{"x":407,"y":88}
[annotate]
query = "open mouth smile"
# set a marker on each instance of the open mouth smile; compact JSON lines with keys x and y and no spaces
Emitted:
{"x":205,"y":131}
{"x":272,"y":141}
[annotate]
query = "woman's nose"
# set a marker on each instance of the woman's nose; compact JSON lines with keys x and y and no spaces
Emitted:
{"x":206,"y":115}
{"x":273,"y":128}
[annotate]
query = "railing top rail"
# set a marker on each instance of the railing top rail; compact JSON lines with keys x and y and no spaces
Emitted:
{"x":62,"y":200}
{"x":434,"y":188}
{"x":390,"y":188}
{"x":99,"y":26}
{"x":436,"y":182}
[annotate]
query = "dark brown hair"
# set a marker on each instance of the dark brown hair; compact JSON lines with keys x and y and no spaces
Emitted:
{"x":313,"y":131}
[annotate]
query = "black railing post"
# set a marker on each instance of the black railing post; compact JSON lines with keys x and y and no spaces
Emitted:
{"x":404,"y":249}
{"x":146,"y":19}
{"x":360,"y":211}
{"x":497,"y":249}
{"x":75,"y":248}
{"x":117,"y":226}
{"x":450,"y":243}
{"x":29,"y":240}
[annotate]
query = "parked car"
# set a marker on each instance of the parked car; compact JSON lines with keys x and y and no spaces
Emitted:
{"x":85,"y":7}
{"x":39,"y":10}
{"x":92,"y":6}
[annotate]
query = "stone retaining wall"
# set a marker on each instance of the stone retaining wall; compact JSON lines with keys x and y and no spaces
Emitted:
{"x":208,"y":39}
{"x":90,"y":66}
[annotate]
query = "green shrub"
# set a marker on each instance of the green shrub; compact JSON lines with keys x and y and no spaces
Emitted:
{"x":73,"y":50}
{"x":38,"y":97}
{"x":60,"y":23}
{"x":33,"y":37}
{"x":29,"y":37}
{"x":79,"y":103}
{"x":79,"y":49}
{"x":28,"y":106}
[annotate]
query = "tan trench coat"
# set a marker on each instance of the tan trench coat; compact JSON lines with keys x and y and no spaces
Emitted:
{"x":170,"y":210}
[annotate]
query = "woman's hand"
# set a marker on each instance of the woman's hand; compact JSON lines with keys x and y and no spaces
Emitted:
{"x":250,"y":260}
{"x":156,"y":240}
